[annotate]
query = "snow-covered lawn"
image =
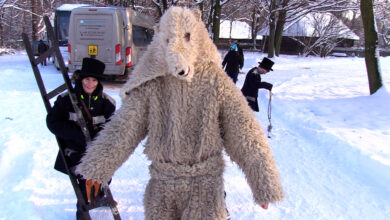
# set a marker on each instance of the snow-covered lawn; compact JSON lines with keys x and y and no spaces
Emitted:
{"x":330,"y":138}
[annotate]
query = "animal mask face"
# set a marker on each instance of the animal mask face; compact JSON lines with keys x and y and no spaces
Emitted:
{"x":179,"y":41}
{"x":180,"y":45}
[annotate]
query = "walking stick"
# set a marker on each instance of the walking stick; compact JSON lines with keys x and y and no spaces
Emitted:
{"x":269,"y":114}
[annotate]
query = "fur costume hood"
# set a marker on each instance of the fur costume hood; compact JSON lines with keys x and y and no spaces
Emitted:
{"x":190,"y":111}
{"x":174,"y":48}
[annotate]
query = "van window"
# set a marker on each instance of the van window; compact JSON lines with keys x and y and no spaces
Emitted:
{"x":142,"y":36}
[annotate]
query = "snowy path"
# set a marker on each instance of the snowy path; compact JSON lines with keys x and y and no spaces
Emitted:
{"x":318,"y":169}
{"x":321,"y":174}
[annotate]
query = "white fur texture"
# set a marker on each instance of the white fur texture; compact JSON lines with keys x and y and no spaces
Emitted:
{"x":169,"y":52}
{"x":189,"y":120}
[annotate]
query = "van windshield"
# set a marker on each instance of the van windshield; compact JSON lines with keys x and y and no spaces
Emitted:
{"x":142,"y":36}
{"x":61,"y":26}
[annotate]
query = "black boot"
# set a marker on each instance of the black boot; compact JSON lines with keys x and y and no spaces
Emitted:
{"x":227,"y":211}
{"x":82,"y":215}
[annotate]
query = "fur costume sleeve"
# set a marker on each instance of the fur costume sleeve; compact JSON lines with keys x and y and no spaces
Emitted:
{"x":118,"y":140}
{"x":247,"y":145}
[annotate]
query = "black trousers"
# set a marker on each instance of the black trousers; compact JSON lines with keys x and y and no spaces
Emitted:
{"x":234,"y":76}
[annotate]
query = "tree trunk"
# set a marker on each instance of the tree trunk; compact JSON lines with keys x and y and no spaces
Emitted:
{"x":1,"y":29}
{"x":279,"y":31}
{"x":271,"y":39}
{"x":253,"y":26}
{"x":34,"y":20}
{"x":210,"y":17}
{"x":165,"y":5}
{"x":158,"y":7}
{"x":230,"y":30}
{"x":371,"y":45}
{"x":201,"y":8}
{"x":216,"y":21}
{"x":263,"y":43}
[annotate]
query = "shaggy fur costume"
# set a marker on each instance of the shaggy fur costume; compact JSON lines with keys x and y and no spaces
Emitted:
{"x":191,"y":111}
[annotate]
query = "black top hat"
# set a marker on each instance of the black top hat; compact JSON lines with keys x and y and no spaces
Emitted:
{"x":266,"y":64}
{"x":91,"y":68}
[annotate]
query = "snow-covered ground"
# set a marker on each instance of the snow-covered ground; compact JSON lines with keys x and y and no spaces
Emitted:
{"x":330,"y":138}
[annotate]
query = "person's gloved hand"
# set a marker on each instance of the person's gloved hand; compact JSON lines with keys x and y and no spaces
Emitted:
{"x":269,"y":86}
{"x":92,"y":190}
{"x":266,"y":85}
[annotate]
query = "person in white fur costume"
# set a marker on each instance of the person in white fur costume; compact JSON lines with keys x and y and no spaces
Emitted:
{"x":190,"y":110}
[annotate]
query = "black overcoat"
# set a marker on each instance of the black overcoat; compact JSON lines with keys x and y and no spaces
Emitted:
{"x":61,"y":121}
{"x":233,"y":62}
{"x":251,"y":87}
{"x":42,"y":47}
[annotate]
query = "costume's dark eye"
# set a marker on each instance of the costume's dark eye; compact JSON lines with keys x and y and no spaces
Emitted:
{"x":187,"y":36}
{"x":167,"y":41}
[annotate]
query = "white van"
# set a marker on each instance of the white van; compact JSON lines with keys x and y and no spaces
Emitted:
{"x":60,"y":23}
{"x":116,"y":36}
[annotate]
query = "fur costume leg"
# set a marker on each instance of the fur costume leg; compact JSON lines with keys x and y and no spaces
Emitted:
{"x":193,"y":198}
{"x":186,"y":192}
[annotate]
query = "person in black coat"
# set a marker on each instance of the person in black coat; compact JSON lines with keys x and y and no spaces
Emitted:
{"x":42,"y":48}
{"x":233,"y":62}
{"x":253,"y":82}
{"x":62,"y":120}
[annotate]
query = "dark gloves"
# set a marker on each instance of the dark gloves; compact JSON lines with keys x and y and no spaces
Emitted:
{"x":266,"y":85}
{"x":269,"y":86}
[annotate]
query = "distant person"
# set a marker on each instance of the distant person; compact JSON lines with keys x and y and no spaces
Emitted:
{"x":97,"y":107}
{"x":232,"y":63}
{"x":253,"y":82}
{"x":42,"y":48}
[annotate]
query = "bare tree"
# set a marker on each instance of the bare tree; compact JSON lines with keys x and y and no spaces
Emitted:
{"x":278,"y":12}
{"x":382,"y":17}
{"x":2,"y":23}
{"x":11,"y":13}
{"x":19,"y":16}
{"x":217,"y":7}
{"x":34,"y":19}
{"x":280,"y":26}
{"x":216,"y":20}
{"x":161,"y":6}
{"x":371,"y":45}
{"x":328,"y":31}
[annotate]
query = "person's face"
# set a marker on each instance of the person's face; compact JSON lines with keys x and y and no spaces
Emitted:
{"x":262,"y":70}
{"x":89,"y":84}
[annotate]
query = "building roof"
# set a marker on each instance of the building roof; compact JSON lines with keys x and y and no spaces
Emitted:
{"x":70,"y":7}
{"x":240,"y":30}
{"x":305,"y":27}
